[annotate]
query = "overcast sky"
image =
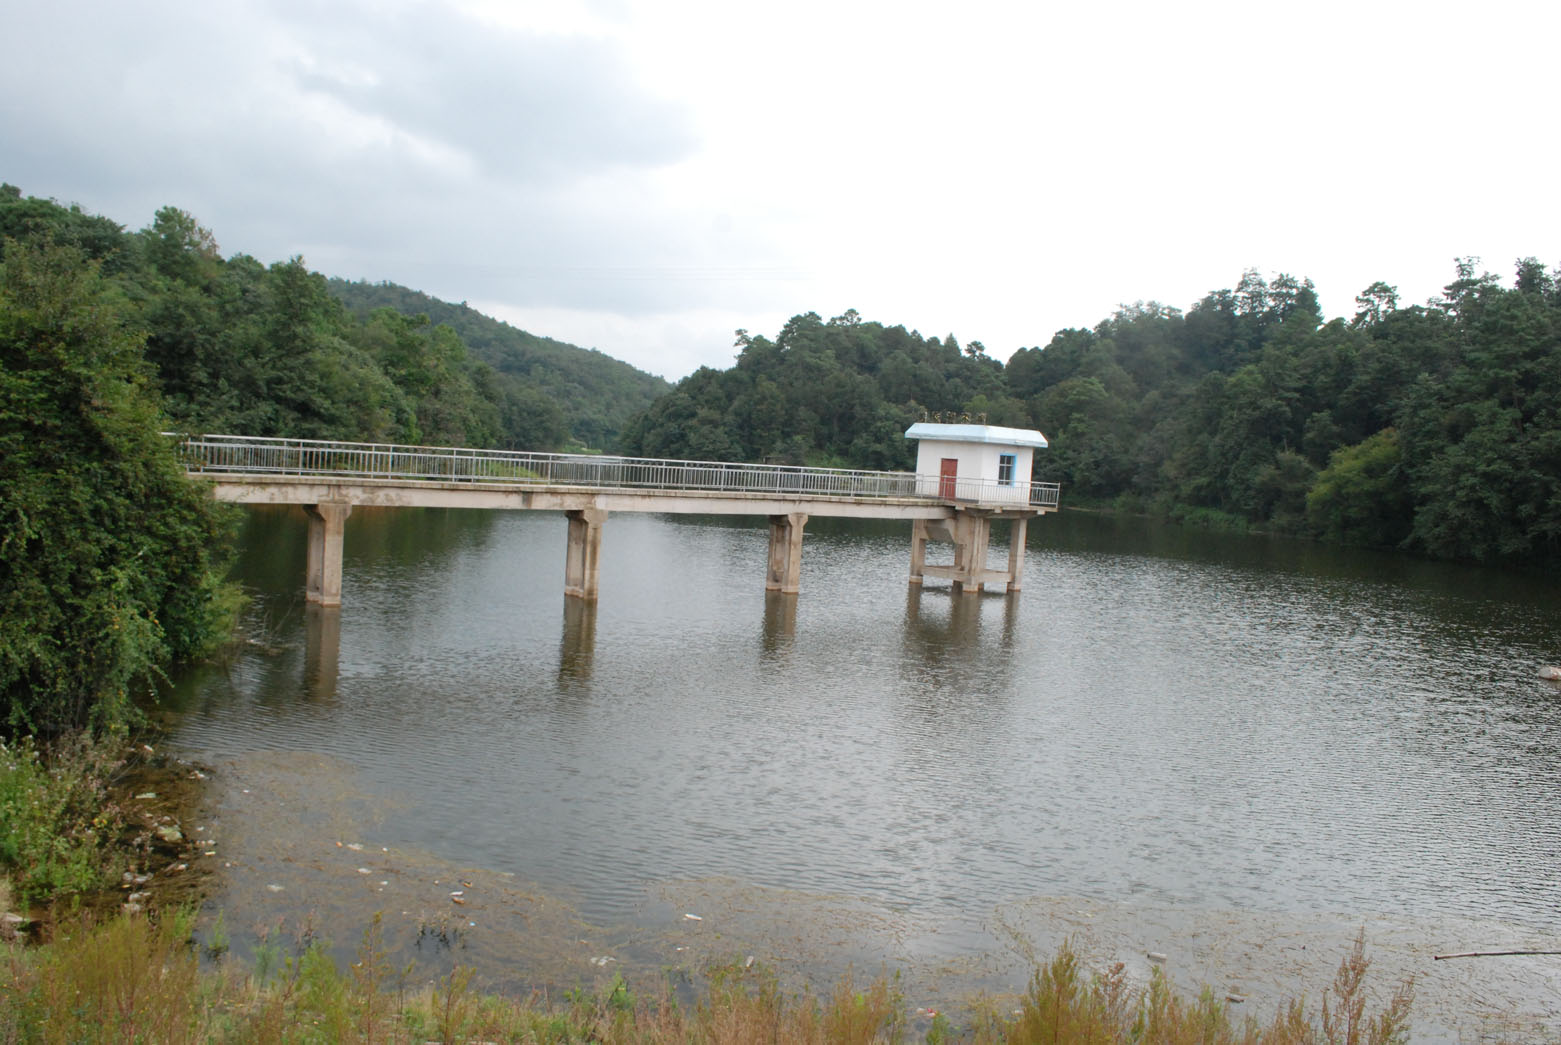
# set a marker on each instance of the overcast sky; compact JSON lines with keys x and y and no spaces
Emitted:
{"x":647,"y":176}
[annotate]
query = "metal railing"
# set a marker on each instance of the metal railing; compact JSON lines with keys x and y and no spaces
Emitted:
{"x":250,"y":455}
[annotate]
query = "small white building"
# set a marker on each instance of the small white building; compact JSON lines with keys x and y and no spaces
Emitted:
{"x":981,"y":464}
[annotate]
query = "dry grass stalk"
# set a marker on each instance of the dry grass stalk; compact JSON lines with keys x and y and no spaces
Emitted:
{"x":139,"y":979}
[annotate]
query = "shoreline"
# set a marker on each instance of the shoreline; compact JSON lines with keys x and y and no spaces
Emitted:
{"x":301,"y":854}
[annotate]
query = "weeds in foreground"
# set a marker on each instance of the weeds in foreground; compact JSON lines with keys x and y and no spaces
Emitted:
{"x":139,"y":979}
{"x":57,"y":827}
{"x":1063,"y":1004}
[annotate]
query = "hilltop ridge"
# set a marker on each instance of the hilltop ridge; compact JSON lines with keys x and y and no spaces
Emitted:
{"x":598,"y":393}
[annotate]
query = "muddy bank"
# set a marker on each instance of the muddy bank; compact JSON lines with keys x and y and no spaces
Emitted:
{"x":298,"y":853}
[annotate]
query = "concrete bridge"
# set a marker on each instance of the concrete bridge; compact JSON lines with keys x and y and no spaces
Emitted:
{"x":329,"y":479}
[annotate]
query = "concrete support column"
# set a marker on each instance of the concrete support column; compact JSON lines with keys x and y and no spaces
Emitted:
{"x":972,"y":533}
{"x":327,"y":526}
{"x":785,"y":573}
{"x":1016,"y":534}
{"x":918,"y":549}
{"x":582,"y":564}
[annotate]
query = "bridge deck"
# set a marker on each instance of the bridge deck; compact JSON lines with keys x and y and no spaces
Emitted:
{"x":331,"y":479}
{"x":252,"y":488}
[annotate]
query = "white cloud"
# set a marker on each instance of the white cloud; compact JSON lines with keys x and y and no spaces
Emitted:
{"x":648,"y":176}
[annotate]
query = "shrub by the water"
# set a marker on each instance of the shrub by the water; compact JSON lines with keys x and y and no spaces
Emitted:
{"x":109,"y":557}
{"x":57,"y":828}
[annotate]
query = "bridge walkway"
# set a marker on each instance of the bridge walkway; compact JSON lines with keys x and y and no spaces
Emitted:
{"x":329,"y":479}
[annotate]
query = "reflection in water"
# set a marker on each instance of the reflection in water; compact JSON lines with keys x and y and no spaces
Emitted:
{"x":780,"y":623}
{"x":577,"y":645}
{"x":1011,"y":620}
{"x":442,"y":534}
{"x":943,"y":625}
{"x":322,"y":650}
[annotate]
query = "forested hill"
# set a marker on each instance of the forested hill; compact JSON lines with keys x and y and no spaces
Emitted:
{"x":598,"y":393}
{"x":234,"y":345}
{"x":837,"y":393}
{"x":1434,"y":428}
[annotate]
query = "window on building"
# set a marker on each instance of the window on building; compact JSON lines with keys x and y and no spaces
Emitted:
{"x":1005,"y":469}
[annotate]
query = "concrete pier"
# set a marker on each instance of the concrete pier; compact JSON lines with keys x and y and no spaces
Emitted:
{"x":1018,"y":529}
{"x":327,"y":526}
{"x":970,"y":533}
{"x":785,"y":572}
{"x":582,"y":562}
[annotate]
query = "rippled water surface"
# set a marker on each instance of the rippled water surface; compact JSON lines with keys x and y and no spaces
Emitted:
{"x":1160,"y":717}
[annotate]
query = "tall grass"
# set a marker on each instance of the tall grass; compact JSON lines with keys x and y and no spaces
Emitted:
{"x":1064,"y":1004}
{"x":58,"y":831}
{"x":140,"y":979}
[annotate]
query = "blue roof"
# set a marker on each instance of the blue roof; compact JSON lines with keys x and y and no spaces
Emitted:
{"x":977,"y":434}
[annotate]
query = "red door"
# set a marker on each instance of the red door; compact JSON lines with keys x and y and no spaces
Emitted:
{"x":948,"y":474}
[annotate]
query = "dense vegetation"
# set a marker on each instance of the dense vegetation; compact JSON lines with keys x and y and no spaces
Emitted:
{"x":1433,"y":428}
{"x":597,"y":393}
{"x":110,"y":561}
{"x":841,"y":392}
{"x":238,"y":346}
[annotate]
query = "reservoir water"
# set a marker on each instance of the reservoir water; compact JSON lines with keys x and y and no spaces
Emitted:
{"x":1162,"y":721}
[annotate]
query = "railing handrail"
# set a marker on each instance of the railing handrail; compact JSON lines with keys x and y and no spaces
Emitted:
{"x":274,"y":455}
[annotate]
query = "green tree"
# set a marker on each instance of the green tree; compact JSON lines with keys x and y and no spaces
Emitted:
{"x":110,"y":559}
{"x":594,"y":393}
{"x":1375,"y":303}
{"x":1362,"y":497}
